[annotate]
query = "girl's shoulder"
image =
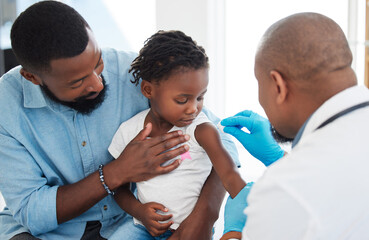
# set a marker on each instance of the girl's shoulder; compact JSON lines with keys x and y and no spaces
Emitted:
{"x":135,"y":123}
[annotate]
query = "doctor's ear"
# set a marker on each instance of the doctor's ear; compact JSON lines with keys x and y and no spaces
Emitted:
{"x":31,"y":77}
{"x":281,"y":86}
{"x":147,"y":89}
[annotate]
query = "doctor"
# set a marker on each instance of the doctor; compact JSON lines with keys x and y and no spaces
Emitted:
{"x":309,"y":93}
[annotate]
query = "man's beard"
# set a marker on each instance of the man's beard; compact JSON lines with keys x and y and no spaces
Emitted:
{"x":278,"y":137}
{"x":81,"y":104}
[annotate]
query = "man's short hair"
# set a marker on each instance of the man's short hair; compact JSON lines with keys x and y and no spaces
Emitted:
{"x":46,"y":31}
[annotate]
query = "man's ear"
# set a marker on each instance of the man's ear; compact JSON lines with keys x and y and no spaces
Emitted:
{"x":280,"y":85}
{"x":31,"y":77}
{"x":147,"y":89}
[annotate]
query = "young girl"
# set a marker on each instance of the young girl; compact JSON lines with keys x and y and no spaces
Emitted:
{"x":174,"y":73}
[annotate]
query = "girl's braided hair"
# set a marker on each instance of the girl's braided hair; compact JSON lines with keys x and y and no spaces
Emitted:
{"x":165,"y":52}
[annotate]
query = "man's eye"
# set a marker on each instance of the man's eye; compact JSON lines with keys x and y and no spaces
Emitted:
{"x":76,"y":84}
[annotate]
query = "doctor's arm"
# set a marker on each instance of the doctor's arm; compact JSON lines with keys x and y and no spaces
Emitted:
{"x":259,"y":143}
{"x":234,"y":216}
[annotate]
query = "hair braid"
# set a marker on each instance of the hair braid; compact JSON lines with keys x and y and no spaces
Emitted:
{"x":164,"y":52}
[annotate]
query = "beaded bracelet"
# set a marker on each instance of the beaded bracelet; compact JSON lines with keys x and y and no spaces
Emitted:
{"x":110,"y":192}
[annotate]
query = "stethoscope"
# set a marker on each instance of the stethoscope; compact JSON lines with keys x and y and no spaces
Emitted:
{"x":342,"y":113}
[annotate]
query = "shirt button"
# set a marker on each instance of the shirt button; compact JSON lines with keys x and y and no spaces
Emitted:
{"x":83,"y":143}
{"x":105,"y":207}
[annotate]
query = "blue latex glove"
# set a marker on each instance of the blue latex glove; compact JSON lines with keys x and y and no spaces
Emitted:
{"x":234,"y":218}
{"x":259,"y":142}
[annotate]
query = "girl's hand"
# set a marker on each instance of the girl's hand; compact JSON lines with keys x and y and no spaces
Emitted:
{"x":152,"y":220}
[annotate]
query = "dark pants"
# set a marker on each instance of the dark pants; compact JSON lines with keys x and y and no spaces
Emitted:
{"x":24,"y":236}
{"x":92,"y":232}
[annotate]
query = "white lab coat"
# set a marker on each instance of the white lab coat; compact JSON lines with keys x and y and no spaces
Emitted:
{"x":320,"y":190}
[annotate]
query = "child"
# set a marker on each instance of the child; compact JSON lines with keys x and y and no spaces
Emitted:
{"x":174,"y":73}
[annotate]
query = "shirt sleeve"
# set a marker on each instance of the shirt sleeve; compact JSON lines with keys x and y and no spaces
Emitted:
{"x":24,"y":187}
{"x":276,"y":212}
{"x":225,"y":138}
{"x":8,"y":226}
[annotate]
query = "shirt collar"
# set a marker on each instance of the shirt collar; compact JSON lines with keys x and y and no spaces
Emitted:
{"x":32,"y":95}
{"x":299,"y":133}
{"x":335,"y":104}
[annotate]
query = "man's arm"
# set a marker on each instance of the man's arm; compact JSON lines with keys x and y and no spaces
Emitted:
{"x":40,"y":205}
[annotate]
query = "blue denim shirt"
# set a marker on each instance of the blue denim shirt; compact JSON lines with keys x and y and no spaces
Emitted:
{"x":44,"y":145}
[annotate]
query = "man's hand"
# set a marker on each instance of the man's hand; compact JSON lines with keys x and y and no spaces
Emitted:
{"x":149,"y":217}
{"x":193,"y":229}
{"x":259,"y":142}
{"x":142,"y":158}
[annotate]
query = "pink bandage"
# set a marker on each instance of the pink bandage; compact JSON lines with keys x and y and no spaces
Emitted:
{"x":186,"y":155}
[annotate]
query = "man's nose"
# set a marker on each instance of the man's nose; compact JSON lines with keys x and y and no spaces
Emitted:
{"x":95,"y":84}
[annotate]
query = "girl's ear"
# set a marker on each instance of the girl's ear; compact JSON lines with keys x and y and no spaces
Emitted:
{"x":30,"y":77}
{"x":147,"y":89}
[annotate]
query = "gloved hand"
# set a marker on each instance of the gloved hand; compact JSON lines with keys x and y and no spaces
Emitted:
{"x":234,"y":217}
{"x":259,"y":142}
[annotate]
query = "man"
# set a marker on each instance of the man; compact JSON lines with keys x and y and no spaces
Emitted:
{"x":60,"y":110}
{"x":310,"y":94}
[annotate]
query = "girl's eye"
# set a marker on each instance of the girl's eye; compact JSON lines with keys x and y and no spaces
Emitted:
{"x":200,"y":98}
{"x":181,"y":101}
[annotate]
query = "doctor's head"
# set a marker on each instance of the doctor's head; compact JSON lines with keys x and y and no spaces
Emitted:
{"x":301,"y":61}
{"x":58,"y":52}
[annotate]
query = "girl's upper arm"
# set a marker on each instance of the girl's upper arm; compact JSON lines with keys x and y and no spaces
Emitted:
{"x":208,"y":137}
